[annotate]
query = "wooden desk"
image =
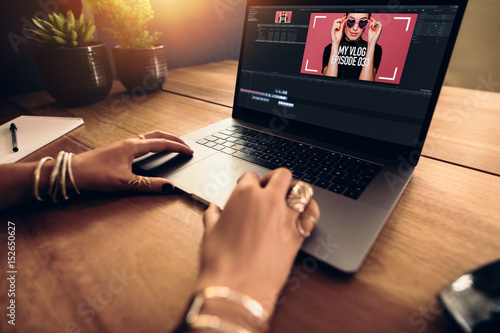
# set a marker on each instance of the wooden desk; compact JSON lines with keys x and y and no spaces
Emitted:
{"x":127,"y":263}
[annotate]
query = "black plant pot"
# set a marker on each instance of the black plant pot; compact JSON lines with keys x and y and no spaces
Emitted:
{"x":141,"y":71}
{"x":75,"y":76}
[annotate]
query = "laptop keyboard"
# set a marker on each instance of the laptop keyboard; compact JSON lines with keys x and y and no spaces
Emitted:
{"x":341,"y":174}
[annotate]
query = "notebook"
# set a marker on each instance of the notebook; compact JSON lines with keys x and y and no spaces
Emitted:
{"x":347,"y":116}
{"x":33,"y":132}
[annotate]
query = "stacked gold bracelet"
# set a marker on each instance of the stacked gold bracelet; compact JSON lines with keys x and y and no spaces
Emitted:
{"x":57,"y":181}
{"x":195,"y":320}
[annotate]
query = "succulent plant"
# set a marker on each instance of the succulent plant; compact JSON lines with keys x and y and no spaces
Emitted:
{"x":65,"y":31}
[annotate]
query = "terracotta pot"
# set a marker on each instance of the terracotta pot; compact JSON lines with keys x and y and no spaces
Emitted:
{"x":141,"y":71}
{"x":75,"y":76}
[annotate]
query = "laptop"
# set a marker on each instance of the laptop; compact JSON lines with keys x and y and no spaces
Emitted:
{"x":349,"y":117}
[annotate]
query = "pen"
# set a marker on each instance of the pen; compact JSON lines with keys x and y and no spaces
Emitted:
{"x":13,"y":130}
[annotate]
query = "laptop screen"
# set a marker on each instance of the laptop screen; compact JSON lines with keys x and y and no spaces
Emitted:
{"x":371,"y":71}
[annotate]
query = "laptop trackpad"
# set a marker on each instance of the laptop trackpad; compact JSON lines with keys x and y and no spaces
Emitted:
{"x":213,"y":178}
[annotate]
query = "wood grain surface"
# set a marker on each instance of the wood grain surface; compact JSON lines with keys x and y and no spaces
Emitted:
{"x":127,"y":262}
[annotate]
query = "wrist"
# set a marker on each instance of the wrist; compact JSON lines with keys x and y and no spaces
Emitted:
{"x":265,"y":293}
{"x":371,"y":46}
{"x":226,"y":310}
{"x":53,"y":178}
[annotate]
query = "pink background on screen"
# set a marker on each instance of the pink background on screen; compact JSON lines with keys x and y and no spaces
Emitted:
{"x":395,"y":40}
{"x":288,"y":16}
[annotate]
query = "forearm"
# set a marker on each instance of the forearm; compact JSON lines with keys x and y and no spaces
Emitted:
{"x":17,"y":182}
{"x":368,"y":71}
{"x":332,"y":68}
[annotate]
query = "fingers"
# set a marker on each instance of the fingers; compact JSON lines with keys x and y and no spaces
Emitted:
{"x":150,"y":184}
{"x":374,"y":24}
{"x":163,"y":135}
{"x":278,"y":179}
{"x":156,"y":145}
{"x":161,"y":185}
{"x":211,"y":216}
{"x":338,"y":24}
{"x":309,"y":217}
{"x":248,"y":177}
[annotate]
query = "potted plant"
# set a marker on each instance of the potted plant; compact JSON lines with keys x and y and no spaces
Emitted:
{"x":141,"y":65}
{"x":73,"y":68}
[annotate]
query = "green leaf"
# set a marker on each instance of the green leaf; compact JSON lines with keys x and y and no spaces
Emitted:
{"x":58,"y":33}
{"x":80,"y":25}
{"x":77,"y":25}
{"x":60,"y":40}
{"x":88,"y":34}
{"x":67,"y":27}
{"x":41,"y":34}
{"x":38,"y":23}
{"x":47,"y":26}
{"x":73,"y":35}
{"x":59,"y":22}
{"x":81,"y":21}
{"x":52,"y":21}
{"x":88,"y":39}
{"x":70,"y":17}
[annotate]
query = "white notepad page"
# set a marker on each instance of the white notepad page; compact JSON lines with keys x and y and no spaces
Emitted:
{"x":33,"y":132}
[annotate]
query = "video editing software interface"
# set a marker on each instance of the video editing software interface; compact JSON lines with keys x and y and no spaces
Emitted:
{"x":366,"y":71}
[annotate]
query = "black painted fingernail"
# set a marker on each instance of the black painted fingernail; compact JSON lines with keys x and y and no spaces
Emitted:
{"x":167,"y":188}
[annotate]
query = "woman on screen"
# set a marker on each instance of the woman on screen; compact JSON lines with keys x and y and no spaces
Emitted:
{"x":349,"y":55}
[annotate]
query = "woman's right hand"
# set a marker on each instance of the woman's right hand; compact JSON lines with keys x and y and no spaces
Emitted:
{"x":251,"y":245}
{"x":337,"y":30}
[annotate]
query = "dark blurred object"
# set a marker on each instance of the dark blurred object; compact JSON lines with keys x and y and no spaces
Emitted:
{"x":141,"y":71}
{"x":473,"y":300}
{"x":75,"y":76}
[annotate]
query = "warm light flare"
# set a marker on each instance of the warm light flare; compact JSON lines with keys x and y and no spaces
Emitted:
{"x":181,"y":10}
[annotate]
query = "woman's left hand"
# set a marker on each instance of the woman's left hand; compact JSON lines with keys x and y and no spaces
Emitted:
{"x":374,"y":31}
{"x":109,"y":168}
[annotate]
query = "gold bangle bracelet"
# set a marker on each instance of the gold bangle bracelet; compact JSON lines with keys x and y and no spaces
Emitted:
{"x":54,"y":177}
{"x":62,"y":177}
{"x":70,"y":173}
{"x":251,"y":305}
{"x":36,"y":181}
{"x":202,"y":322}
{"x":221,"y":292}
{"x":57,"y":180}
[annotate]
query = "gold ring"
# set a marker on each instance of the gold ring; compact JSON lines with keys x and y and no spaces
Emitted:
{"x":140,"y":183}
{"x":141,"y":136}
{"x":299,"y":196}
{"x":300,"y":228}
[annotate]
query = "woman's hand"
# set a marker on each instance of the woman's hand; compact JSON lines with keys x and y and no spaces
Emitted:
{"x":337,"y":31}
{"x":109,"y":168}
{"x":251,"y":245}
{"x":374,"y":31}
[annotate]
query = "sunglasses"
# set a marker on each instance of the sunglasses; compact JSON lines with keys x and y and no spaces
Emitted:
{"x":363,"y":23}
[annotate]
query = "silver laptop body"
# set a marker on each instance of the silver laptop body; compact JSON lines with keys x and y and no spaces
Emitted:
{"x":271,"y":99}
